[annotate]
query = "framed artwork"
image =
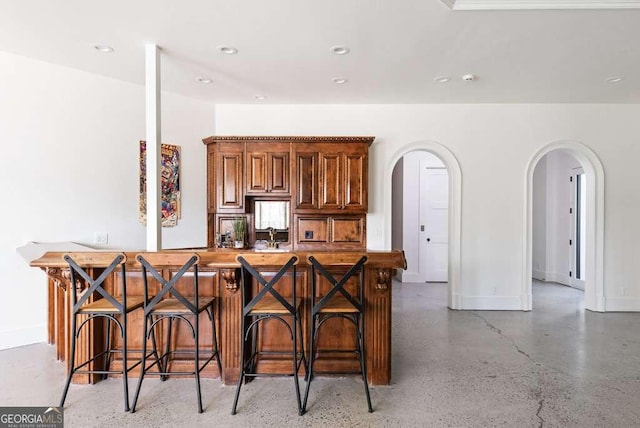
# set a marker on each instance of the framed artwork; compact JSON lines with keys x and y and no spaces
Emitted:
{"x":170,"y":178}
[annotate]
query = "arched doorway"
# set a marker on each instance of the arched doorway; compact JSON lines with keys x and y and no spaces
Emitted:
{"x":594,"y":229}
{"x":454,"y":300}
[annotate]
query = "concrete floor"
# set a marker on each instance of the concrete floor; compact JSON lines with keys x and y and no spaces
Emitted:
{"x":557,"y":366}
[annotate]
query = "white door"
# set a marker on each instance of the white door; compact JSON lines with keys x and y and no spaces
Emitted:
{"x":577,"y":235}
{"x":434,"y":219}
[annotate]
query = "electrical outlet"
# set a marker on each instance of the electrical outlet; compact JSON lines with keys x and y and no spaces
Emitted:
{"x":308,"y":234}
{"x":625,"y":291}
{"x":101,"y":238}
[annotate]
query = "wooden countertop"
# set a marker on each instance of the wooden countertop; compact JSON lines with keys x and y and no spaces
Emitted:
{"x":225,"y":258}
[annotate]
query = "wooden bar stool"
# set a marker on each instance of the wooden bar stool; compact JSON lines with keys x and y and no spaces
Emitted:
{"x":176,"y":306}
{"x":337,"y":302}
{"x":109,"y":307}
{"x":269,"y":304}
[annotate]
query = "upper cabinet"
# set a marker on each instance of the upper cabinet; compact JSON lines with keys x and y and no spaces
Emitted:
{"x":331,"y":177}
{"x":343,"y":179}
{"x":324,"y":178}
{"x":268,"y":169}
{"x":229,"y":166}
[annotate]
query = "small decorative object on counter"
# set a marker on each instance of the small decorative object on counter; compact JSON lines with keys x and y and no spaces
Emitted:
{"x":239,"y":229}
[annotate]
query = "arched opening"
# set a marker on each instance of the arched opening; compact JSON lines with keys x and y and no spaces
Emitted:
{"x":593,"y":239}
{"x":454,"y":210}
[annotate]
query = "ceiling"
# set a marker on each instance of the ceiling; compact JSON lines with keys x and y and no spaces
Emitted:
{"x":397,"y":49}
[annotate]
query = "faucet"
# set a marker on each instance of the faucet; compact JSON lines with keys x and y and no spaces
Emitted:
{"x":272,"y":238}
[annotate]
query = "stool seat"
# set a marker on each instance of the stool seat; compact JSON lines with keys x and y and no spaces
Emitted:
{"x":269,"y":305}
{"x":338,"y":304}
{"x":104,"y":306}
{"x":175,"y":306}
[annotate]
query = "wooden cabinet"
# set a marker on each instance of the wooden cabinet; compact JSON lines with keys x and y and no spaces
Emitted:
{"x":343,"y":180}
{"x":306,"y":181}
{"x":315,"y":232}
{"x":331,"y":178}
{"x":325,"y":179}
{"x":229,"y":177}
{"x":268,"y":169}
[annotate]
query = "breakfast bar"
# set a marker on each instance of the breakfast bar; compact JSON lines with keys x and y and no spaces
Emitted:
{"x":219,"y":275}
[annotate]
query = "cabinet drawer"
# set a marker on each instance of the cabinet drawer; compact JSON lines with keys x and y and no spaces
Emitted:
{"x":347,"y":230}
{"x":312,"y":229}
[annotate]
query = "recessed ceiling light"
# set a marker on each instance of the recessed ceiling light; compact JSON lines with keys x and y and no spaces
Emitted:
{"x":340,"y":50}
{"x":260,"y":97}
{"x":339,"y":80}
{"x":204,"y":80}
{"x":103,"y":48}
{"x":228,"y":50}
{"x":442,"y":79}
{"x":615,"y":79}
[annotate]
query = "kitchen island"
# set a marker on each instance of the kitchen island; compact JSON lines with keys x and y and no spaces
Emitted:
{"x":219,"y":277}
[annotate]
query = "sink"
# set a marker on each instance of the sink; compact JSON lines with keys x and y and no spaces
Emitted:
{"x":271,"y":250}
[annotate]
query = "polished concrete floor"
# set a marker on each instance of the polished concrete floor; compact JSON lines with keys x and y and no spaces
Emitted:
{"x":557,"y":366}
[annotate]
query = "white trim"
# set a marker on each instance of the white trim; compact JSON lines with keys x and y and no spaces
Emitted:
{"x":540,"y":4}
{"x":594,"y":298}
{"x":490,"y":303}
{"x":455,"y":209}
{"x":23,"y":336}
{"x":411,"y":277}
{"x":623,"y":304}
{"x":539,"y":275}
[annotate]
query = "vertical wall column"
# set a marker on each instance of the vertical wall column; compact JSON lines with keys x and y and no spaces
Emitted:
{"x":152,"y":96}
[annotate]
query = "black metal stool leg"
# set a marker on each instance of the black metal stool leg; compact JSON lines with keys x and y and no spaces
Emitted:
{"x":215,"y":340}
{"x":125,"y":364}
{"x":144,"y":361}
{"x":72,"y":361}
{"x":242,"y":368}
{"x":309,"y":375}
{"x":167,"y":350}
{"x":363,"y":361}
{"x":106,"y":359}
{"x":295,"y":363}
{"x":196,"y":339}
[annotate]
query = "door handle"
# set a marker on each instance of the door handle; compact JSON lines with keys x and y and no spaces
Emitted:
{"x":428,"y":239}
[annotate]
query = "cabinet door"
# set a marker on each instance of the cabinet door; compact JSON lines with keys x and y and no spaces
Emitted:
{"x":278,"y":175}
{"x":306,"y":183}
{"x":355,"y":182}
{"x":256,"y":172}
{"x":211,"y":179}
{"x":229,"y":167}
{"x":331,"y":181}
{"x":268,"y":168}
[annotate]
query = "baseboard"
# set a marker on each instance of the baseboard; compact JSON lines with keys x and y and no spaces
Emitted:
{"x":491,"y":303}
{"x":539,"y":275}
{"x":23,"y":336}
{"x":622,"y":304}
{"x":410,"y":277}
{"x":559,"y":278}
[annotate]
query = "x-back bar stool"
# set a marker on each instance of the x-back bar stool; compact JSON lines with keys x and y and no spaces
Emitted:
{"x":171,"y":304}
{"x":109,"y":307}
{"x":269,"y":304}
{"x":337,"y":303}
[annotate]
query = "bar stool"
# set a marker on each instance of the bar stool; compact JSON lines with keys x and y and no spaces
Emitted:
{"x":109,"y":307}
{"x":177,"y":307}
{"x":337,"y":303}
{"x":266,"y":305}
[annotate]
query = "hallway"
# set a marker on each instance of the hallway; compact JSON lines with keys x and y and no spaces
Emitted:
{"x":555,"y":366}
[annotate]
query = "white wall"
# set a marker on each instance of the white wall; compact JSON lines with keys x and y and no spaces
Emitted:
{"x":493,"y":144}
{"x":70,"y":168}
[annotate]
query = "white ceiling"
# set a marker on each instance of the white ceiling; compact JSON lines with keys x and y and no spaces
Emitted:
{"x":397,"y":48}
